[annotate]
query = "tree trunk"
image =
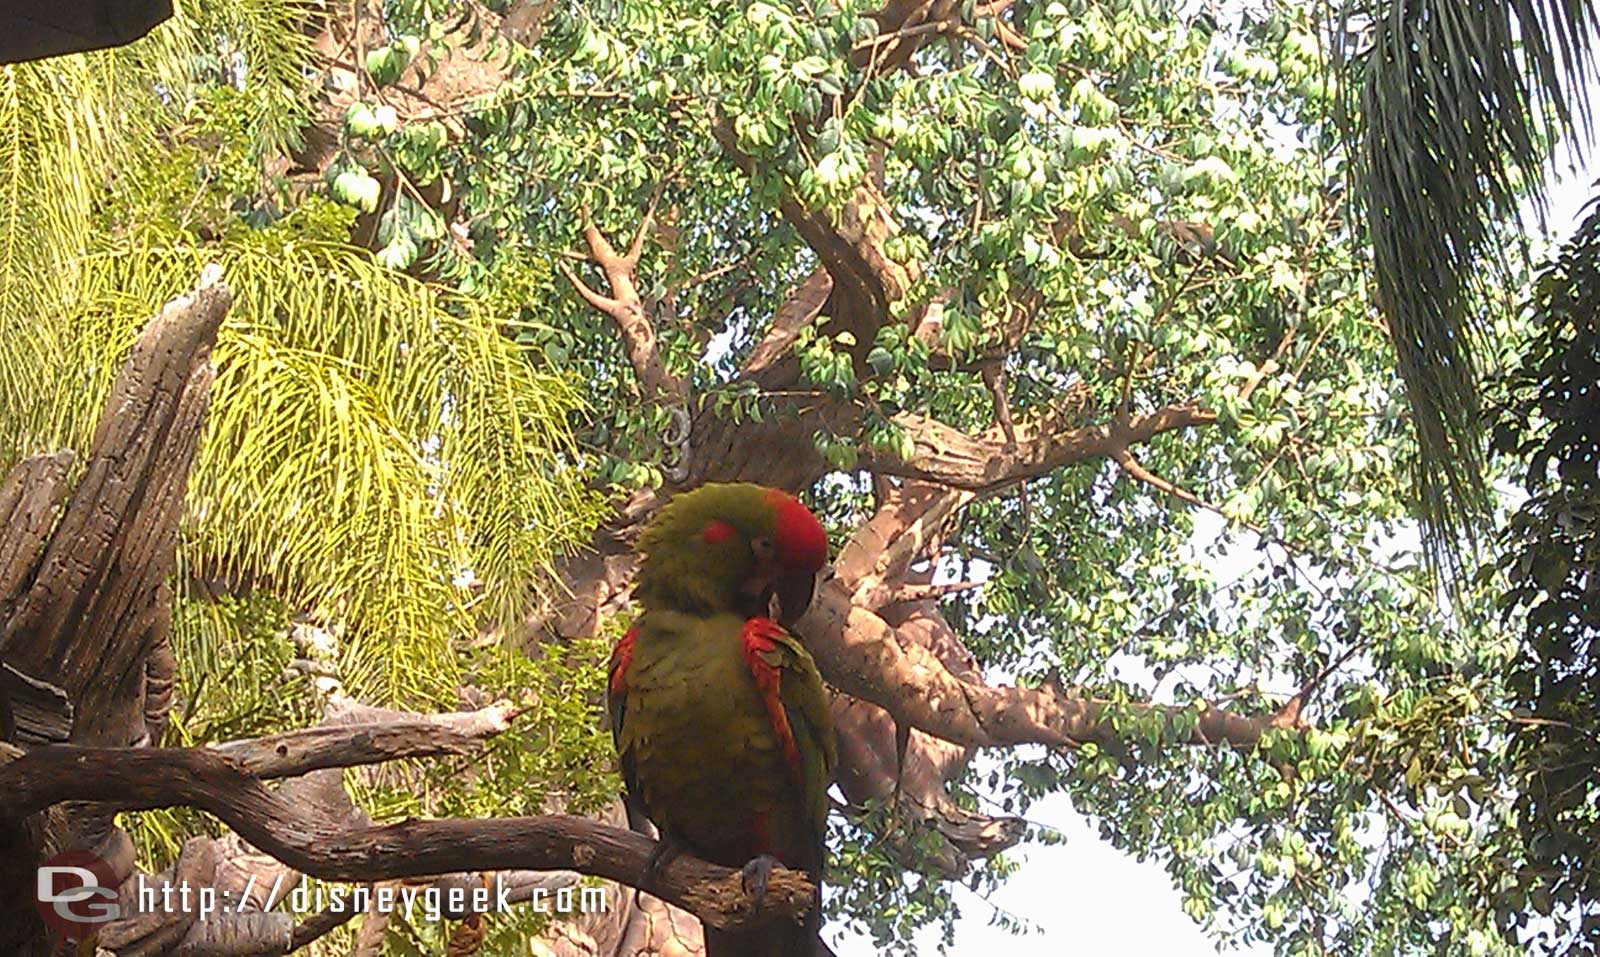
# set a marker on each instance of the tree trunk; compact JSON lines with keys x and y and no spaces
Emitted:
{"x":85,"y":600}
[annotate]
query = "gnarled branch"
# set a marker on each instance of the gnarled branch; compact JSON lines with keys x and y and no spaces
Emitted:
{"x":625,"y":306}
{"x":990,"y":461}
{"x":850,"y":246}
{"x":307,"y":838}
{"x":85,"y":602}
{"x":860,"y":655}
{"x":366,"y":742}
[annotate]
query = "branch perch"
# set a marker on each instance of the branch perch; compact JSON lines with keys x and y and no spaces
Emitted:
{"x":307,"y":839}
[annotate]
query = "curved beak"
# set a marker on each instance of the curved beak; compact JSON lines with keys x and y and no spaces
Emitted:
{"x":792,"y":595}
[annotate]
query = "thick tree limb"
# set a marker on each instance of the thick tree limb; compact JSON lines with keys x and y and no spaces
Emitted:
{"x":869,"y":768}
{"x":903,"y":27}
{"x":860,"y":655}
{"x":850,"y":245}
{"x":112,"y":551}
{"x":30,"y":497}
{"x":803,"y":305}
{"x":915,"y":591}
{"x":899,"y":533}
{"x":989,"y":461}
{"x":348,"y":745}
{"x":306,"y":838}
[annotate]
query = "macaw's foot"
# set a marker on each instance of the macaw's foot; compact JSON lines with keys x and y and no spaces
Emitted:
{"x":665,"y":851}
{"x":754,"y":877}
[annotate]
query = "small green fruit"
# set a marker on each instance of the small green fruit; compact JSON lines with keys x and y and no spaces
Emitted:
{"x":361,"y":121}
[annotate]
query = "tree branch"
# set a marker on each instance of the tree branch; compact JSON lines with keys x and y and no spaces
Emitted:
{"x":803,"y":305}
{"x":903,"y":27}
{"x":308,"y":839}
{"x":624,"y":305}
{"x":1130,"y":465}
{"x":989,"y":461}
{"x":85,"y":595}
{"x":860,"y":655}
{"x":294,"y":753}
{"x":869,"y":768}
{"x":917,"y":591}
{"x":910,"y":520}
{"x":849,"y":243}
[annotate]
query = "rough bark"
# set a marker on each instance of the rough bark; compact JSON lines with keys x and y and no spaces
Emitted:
{"x":350,"y":735}
{"x":85,"y":573}
{"x":303,"y":835}
{"x":295,"y":753}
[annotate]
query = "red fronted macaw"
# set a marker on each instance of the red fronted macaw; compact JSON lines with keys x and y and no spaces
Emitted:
{"x":719,"y":714}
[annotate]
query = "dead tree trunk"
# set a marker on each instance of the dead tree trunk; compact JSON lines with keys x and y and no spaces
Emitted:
{"x":84,"y":595}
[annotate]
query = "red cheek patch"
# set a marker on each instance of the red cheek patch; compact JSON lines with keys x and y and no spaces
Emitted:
{"x":717,"y":532}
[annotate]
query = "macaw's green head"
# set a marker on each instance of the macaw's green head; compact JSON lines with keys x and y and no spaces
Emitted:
{"x":734,"y":547}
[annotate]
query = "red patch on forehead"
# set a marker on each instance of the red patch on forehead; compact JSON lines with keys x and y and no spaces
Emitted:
{"x":717,"y":531}
{"x":797,"y":536}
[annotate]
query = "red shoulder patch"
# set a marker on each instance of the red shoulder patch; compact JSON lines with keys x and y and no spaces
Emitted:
{"x":621,"y":658}
{"x":760,"y":637}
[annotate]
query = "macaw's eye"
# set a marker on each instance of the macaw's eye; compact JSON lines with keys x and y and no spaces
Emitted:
{"x":762,"y":547}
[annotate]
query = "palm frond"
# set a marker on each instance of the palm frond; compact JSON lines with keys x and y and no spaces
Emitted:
{"x":71,"y":126}
{"x":378,"y":452}
{"x":268,"y":51}
{"x":1459,"y":104}
{"x":60,"y":131}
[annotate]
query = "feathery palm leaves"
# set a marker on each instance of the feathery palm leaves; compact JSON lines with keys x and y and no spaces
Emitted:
{"x":379,"y":450}
{"x":1460,"y":102}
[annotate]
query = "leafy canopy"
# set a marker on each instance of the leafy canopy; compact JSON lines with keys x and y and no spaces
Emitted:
{"x":1135,"y":207}
{"x":1118,"y":207}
